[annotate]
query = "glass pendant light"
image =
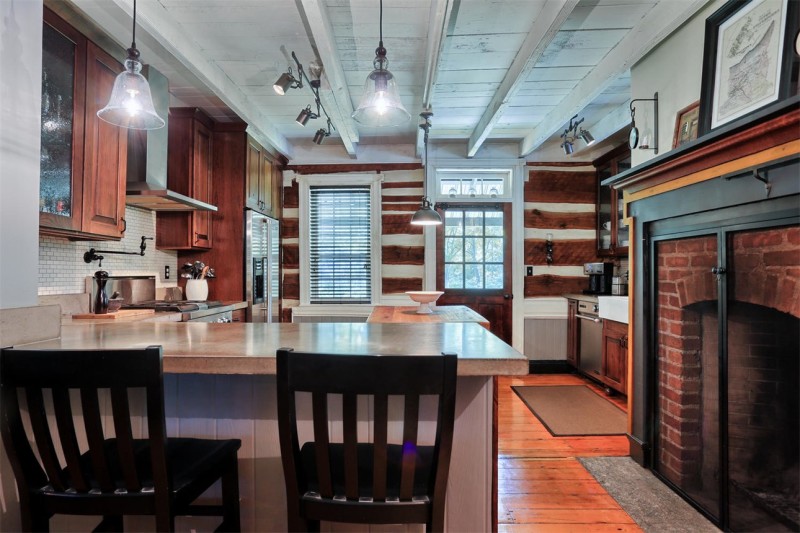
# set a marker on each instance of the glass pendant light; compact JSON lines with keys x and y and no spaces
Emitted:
{"x":131,"y":105}
{"x":426,"y":215}
{"x":380,"y":103}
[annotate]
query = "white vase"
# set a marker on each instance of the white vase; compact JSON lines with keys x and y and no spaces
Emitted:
{"x":196,"y":289}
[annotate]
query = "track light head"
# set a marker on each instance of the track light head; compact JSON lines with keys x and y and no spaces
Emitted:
{"x":286,"y":81}
{"x":586,"y":137}
{"x":305,"y":115}
{"x":568,"y":147}
{"x":320,"y":136}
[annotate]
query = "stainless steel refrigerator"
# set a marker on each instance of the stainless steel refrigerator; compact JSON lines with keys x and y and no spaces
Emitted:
{"x":261,"y":267}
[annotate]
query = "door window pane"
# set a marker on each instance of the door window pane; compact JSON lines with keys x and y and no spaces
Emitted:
{"x":473,"y":248}
{"x":453,"y":276}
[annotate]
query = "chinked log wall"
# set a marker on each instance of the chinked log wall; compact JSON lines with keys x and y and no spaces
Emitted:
{"x":402,"y":245}
{"x":559,"y":199}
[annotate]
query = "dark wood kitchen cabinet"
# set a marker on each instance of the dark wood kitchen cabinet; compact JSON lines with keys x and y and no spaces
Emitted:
{"x":615,"y":355}
{"x":612,"y":234}
{"x":83,"y":159}
{"x":261,"y":180}
{"x":189,"y":172}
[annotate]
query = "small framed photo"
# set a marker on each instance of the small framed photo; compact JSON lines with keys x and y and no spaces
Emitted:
{"x":686,"y":124}
{"x":747,"y":60}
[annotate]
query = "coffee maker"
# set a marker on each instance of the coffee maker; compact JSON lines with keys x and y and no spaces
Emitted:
{"x":600,"y":275}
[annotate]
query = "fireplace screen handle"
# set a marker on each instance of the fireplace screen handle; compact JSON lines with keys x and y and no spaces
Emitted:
{"x":718,"y":272}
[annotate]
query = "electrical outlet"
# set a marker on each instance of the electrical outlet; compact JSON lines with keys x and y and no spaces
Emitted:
{"x":529,"y":270}
{"x":166,"y":271}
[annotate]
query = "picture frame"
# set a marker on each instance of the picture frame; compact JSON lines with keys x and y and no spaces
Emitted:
{"x":687,"y":122}
{"x":747,"y":60}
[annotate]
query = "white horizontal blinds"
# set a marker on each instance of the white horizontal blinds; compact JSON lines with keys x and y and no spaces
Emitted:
{"x":339,"y":245}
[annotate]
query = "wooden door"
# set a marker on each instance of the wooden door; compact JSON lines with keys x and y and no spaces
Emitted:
{"x":615,"y":355}
{"x":105,"y":151}
{"x":473,"y":267}
{"x":63,"y":102}
{"x":253,"y":173}
{"x":265,"y":184}
{"x":201,"y":187}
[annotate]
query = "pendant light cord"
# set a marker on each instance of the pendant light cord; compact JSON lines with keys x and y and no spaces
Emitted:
{"x":133,"y":39}
{"x":380,"y":23}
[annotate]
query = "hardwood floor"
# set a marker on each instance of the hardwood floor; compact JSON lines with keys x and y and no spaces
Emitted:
{"x":541,"y":485}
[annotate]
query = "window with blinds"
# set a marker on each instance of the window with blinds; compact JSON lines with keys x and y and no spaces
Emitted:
{"x":339,"y":245}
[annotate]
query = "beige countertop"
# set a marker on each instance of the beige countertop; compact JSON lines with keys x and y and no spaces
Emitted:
{"x":161,"y":316}
{"x":209,"y":348}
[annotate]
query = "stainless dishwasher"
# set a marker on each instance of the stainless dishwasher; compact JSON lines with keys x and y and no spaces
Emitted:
{"x":590,"y":335}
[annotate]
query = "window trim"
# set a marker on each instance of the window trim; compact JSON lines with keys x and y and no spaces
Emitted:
{"x":335,"y":180}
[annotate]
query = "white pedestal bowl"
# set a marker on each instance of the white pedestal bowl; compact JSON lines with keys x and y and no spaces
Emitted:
{"x":425,"y":299}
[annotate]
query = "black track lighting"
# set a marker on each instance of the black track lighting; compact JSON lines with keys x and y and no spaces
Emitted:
{"x":571,"y":133}
{"x":288,"y":81}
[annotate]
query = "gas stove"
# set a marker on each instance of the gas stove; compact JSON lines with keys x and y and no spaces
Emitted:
{"x":179,"y":306}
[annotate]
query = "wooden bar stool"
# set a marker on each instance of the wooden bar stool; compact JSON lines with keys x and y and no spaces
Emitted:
{"x":115,"y":476}
{"x":375,"y":482}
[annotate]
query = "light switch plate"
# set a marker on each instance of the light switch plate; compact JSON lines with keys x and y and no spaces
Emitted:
{"x":166,"y":271}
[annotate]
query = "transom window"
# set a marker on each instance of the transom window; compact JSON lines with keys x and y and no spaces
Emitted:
{"x":340,"y":260}
{"x":473,"y":248}
{"x":473,"y":184}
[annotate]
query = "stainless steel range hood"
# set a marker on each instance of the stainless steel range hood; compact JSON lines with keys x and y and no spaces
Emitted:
{"x":147,"y":159}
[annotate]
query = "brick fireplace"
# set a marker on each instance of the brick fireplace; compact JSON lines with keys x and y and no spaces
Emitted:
{"x":714,"y":333}
{"x":754,"y":379}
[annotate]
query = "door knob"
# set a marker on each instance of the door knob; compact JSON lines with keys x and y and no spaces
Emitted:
{"x":508,"y":297}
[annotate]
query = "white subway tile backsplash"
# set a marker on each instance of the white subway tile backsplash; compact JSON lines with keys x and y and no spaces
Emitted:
{"x":63,"y":271}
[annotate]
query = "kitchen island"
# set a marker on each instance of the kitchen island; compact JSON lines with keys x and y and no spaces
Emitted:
{"x":220,"y":383}
{"x":395,"y":314}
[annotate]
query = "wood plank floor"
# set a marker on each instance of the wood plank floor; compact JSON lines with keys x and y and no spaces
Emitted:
{"x":541,"y":485}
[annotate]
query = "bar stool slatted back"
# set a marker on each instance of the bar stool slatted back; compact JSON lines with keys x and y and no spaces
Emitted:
{"x":49,"y":391}
{"x":362,"y":480}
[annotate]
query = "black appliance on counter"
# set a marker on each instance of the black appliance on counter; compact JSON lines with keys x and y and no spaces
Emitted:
{"x":600,"y":275}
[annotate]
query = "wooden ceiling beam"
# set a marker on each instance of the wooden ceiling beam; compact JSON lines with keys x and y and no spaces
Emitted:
{"x":155,"y":20}
{"x":335,"y":97}
{"x":438,"y":23}
{"x":654,"y":27}
{"x":545,"y":26}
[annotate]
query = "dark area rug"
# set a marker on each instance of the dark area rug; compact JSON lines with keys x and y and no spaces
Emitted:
{"x":573,"y":410}
{"x":651,"y":504}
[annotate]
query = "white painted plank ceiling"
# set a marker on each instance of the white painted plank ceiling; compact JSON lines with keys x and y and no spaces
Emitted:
{"x":224,"y":55}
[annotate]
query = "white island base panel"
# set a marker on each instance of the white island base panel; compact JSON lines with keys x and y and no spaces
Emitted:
{"x":244,"y":407}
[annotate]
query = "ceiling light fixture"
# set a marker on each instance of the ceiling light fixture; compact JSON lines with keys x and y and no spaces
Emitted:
{"x":287,"y":81}
{"x":306,"y":115}
{"x":131,"y":105}
{"x":321,"y":134}
{"x":571,"y":133}
{"x":380,"y":103}
{"x":426,"y":215}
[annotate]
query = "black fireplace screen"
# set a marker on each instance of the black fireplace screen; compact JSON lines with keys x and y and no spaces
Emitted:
{"x":727,"y":415}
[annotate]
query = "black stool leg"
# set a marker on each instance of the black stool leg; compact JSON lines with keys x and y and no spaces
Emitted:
{"x":230,"y":496}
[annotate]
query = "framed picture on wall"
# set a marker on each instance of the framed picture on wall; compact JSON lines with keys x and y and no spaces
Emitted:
{"x":686,"y":123}
{"x":747,"y":61}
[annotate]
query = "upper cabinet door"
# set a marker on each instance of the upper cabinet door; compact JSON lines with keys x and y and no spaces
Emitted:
{"x":105,"y":153}
{"x":253,"y":187}
{"x":63,"y":94}
{"x":612,"y":233}
{"x":83,"y":159}
{"x":201,"y":186}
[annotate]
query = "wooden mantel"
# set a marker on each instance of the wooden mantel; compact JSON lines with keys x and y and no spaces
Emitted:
{"x":723,"y":152}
